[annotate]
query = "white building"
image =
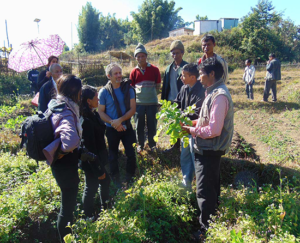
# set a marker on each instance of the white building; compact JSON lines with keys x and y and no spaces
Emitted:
{"x":204,"y":26}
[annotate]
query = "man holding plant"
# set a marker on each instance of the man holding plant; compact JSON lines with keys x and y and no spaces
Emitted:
{"x":213,"y":132}
{"x":192,"y":92}
{"x":146,"y":80}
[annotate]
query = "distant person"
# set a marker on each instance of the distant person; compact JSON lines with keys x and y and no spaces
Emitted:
{"x":146,"y":80}
{"x":172,"y":79}
{"x":116,"y":107}
{"x":249,"y":79}
{"x":45,"y":75}
{"x":191,"y":93}
{"x":49,"y":90}
{"x":213,"y":132}
{"x":93,"y":140}
{"x":273,"y":74}
{"x":208,"y":44}
{"x":32,"y":76}
{"x":67,"y":136}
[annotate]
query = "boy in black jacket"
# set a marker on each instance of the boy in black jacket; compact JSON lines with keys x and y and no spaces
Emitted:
{"x":192,"y":92}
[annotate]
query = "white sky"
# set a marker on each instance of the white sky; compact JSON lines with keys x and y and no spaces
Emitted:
{"x":57,"y":16}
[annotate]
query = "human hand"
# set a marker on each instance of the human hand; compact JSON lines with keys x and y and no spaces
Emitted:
{"x":186,"y":129}
{"x":120,"y":128}
{"x":60,"y":156}
{"x":48,"y":74}
{"x":102,"y":177}
{"x":116,"y":123}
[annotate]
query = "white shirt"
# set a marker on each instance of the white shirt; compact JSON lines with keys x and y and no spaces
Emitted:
{"x":248,"y":76}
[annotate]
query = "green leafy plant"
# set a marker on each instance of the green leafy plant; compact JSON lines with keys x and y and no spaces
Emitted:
{"x":171,"y":117}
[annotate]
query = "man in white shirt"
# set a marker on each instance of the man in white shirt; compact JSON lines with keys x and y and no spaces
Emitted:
{"x":248,"y":78}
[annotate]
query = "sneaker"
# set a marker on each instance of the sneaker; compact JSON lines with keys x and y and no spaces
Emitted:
{"x":139,"y":149}
{"x":199,"y":235}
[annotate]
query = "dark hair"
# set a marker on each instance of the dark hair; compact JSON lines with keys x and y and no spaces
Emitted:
{"x":50,"y":60}
{"x":212,"y":64}
{"x":248,"y":61}
{"x":191,"y":68}
{"x":272,"y":55}
{"x":88,"y":92}
{"x":207,"y":38}
{"x":69,"y":85}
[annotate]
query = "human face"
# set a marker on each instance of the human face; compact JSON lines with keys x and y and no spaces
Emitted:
{"x":54,"y":60}
{"x":247,"y":63}
{"x":116,"y":75}
{"x":208,"y":47}
{"x":206,"y":79}
{"x":177,"y":55}
{"x":56,"y":73}
{"x":188,"y":79}
{"x":141,"y":59}
{"x":93,"y":103}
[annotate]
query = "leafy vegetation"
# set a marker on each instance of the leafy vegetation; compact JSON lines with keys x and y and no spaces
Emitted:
{"x":171,"y":117}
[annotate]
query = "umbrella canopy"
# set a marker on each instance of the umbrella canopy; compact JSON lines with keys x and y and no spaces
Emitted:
{"x":35,"y":53}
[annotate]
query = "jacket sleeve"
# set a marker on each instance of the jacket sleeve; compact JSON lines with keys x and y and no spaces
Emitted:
{"x":270,"y":67}
{"x":88,"y":135}
{"x":163,"y":92}
{"x":42,"y":104}
{"x":42,"y":79}
{"x":67,"y":131}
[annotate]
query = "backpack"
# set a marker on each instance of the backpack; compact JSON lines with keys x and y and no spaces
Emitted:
{"x":36,"y":134}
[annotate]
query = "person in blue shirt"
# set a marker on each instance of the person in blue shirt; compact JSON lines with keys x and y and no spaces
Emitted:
{"x":32,"y":76}
{"x":116,"y":107}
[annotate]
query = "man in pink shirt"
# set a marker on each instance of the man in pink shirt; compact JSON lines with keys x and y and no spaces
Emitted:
{"x":213,"y":132}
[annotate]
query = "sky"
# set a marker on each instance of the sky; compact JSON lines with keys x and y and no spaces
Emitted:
{"x":61,"y":16}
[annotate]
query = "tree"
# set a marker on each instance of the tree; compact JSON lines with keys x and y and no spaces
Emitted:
{"x":155,"y":19}
{"x":201,"y":18}
{"x":258,"y":37}
{"x":88,"y":28}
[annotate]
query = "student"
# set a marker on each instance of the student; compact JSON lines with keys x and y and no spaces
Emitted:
{"x":93,"y":140}
{"x":45,"y":75}
{"x":116,"y":107}
{"x":49,"y":90}
{"x":146,"y":80}
{"x":213,"y":132}
{"x":208,"y":44}
{"x":192,"y":92}
{"x":248,"y":78}
{"x":62,"y":153}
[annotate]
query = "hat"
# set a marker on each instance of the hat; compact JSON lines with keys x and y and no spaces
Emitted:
{"x":177,"y":44}
{"x":140,"y":49}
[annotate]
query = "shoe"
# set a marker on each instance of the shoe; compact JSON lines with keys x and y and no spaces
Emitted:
{"x":139,"y":149}
{"x":263,"y":101}
{"x":154,"y":149}
{"x":274,"y":101}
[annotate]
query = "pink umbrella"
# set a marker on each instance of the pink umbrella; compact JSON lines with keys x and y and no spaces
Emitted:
{"x":35,"y":53}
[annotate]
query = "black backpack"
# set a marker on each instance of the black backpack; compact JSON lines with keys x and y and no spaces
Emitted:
{"x":36,"y":134}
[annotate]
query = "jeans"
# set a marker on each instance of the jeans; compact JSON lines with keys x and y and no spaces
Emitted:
{"x":187,"y":163}
{"x":128,"y":138}
{"x":249,"y":90}
{"x":90,"y":189}
{"x":207,"y":169}
{"x":150,"y":112}
{"x":270,"y":84}
{"x":65,"y":172}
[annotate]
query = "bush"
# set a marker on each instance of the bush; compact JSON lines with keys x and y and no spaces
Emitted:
{"x":97,"y":80}
{"x":14,"y":84}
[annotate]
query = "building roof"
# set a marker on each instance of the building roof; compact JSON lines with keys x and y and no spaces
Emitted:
{"x":182,"y":28}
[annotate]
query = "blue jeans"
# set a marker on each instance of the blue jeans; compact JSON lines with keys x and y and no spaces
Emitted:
{"x":148,"y":111}
{"x":249,"y":90}
{"x":187,"y":163}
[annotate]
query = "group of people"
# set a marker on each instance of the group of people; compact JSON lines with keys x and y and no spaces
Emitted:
{"x":273,"y":74}
{"x":82,"y":117}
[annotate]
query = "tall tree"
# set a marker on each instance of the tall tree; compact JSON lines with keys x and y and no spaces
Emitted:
{"x":156,"y":18}
{"x":201,"y":18}
{"x":88,"y":28}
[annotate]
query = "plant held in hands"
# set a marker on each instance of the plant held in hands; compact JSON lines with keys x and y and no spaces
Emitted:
{"x":171,"y":117}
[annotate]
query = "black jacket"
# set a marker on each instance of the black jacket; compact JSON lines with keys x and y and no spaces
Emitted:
{"x":93,"y":130}
{"x":195,"y":96}
{"x":42,"y":79}
{"x":166,"y":83}
{"x":47,"y":92}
